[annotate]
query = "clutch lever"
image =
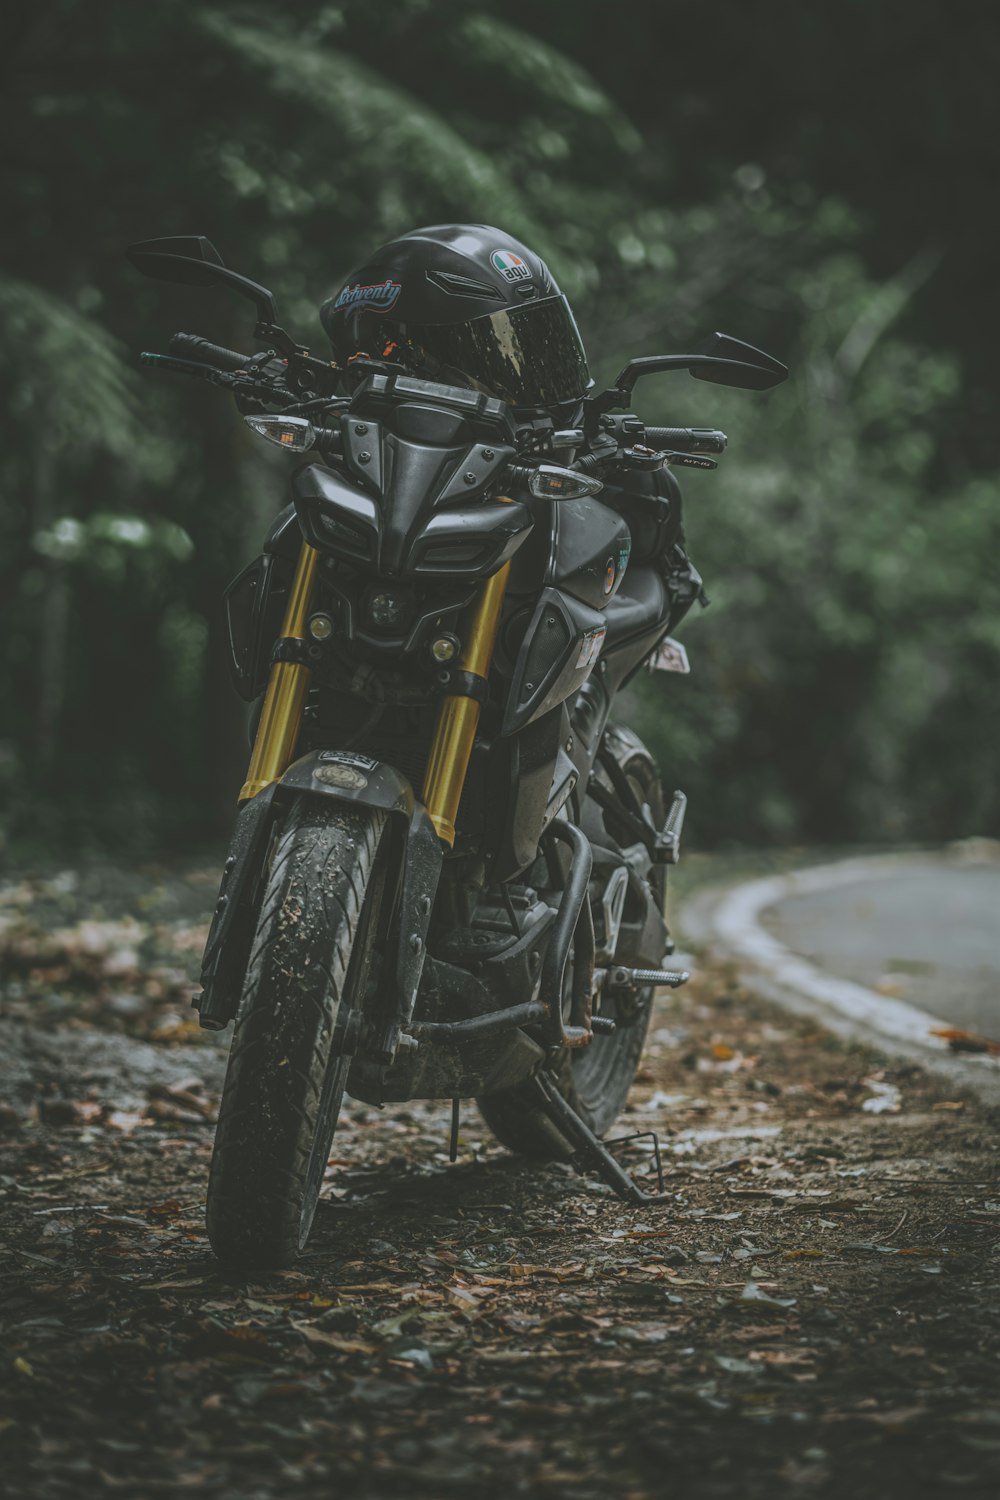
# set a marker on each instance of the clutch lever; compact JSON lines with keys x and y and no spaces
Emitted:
{"x":238,"y":383}
{"x":187,"y":367}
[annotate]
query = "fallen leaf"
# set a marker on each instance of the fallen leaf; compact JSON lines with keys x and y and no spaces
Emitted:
{"x":965,"y":1041}
{"x":361,"y":1287}
{"x":753,"y":1292}
{"x":885,"y":1098}
{"x":176,"y":1285}
{"x":320,"y":1337}
{"x":782,"y":1356}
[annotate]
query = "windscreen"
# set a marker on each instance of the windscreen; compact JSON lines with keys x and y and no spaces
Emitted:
{"x":528,"y":356}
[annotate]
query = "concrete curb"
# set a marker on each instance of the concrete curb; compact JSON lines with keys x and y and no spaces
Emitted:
{"x":725,"y":922}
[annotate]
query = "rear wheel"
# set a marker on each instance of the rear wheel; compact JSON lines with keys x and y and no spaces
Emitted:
{"x":595,"y":1079}
{"x":309,"y":971}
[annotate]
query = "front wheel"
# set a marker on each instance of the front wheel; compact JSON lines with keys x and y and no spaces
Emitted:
{"x":310,"y":966}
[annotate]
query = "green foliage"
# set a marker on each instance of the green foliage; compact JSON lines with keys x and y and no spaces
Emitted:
{"x":844,"y":681}
{"x":854,"y":599}
{"x":73,"y":387}
{"x":378,"y":129}
{"x":107,"y":543}
{"x":548,"y":77}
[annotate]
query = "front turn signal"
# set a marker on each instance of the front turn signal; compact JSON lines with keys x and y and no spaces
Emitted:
{"x":551,"y":482}
{"x":294,"y":434}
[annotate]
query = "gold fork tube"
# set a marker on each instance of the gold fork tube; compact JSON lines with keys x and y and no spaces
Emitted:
{"x":281,"y":716}
{"x":458,"y":719}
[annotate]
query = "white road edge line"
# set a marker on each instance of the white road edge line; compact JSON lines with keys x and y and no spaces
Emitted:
{"x":735,"y":921}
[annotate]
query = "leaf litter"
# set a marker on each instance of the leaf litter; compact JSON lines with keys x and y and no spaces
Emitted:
{"x":493,"y":1325}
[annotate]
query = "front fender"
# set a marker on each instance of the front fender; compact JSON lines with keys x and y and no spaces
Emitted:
{"x":347,"y":776}
{"x":350,"y":778}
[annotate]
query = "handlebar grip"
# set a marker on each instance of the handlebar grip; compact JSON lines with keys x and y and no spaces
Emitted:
{"x":190,"y":346}
{"x":688,"y":439}
{"x":329,"y":440}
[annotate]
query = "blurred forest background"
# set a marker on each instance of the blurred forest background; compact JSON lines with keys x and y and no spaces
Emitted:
{"x":819,"y":179}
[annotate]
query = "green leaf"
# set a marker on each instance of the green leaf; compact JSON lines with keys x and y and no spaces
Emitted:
{"x":381,"y":124}
{"x":73,"y":382}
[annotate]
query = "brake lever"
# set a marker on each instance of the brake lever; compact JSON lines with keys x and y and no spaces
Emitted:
{"x":687,"y":460}
{"x":641,"y":457}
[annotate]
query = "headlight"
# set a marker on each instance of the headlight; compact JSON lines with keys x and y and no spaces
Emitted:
{"x":388,"y":609}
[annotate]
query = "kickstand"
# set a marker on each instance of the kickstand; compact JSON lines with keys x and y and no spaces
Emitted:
{"x":456,"y":1105}
{"x":591,"y":1151}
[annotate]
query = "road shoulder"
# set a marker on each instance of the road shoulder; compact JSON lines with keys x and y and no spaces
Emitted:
{"x":724,"y":921}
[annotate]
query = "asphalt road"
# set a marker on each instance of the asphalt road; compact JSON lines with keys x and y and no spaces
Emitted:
{"x":928,"y":934}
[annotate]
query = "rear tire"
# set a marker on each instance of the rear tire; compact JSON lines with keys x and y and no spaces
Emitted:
{"x":309,"y":965}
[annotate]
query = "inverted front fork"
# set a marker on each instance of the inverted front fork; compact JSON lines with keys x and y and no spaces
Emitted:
{"x":281,"y":716}
{"x":458,"y":718}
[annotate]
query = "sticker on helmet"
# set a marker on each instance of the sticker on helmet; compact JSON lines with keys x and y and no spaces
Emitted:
{"x":510,"y":266}
{"x":379,"y":298}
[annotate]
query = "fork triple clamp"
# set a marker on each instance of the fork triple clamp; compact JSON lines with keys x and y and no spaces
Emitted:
{"x":589,"y":1151}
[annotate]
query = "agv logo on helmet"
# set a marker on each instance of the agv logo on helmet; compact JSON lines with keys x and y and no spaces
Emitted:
{"x":510,"y":266}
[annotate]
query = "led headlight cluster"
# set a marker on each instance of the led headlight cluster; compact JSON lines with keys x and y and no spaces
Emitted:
{"x":387,"y":609}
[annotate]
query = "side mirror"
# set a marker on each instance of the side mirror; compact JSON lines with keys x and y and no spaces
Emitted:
{"x":720,"y":370}
{"x":726,"y":361}
{"x":724,"y":346}
{"x":190,"y":246}
{"x":193,"y":260}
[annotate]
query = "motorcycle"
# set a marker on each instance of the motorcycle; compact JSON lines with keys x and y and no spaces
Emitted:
{"x":447,"y":876}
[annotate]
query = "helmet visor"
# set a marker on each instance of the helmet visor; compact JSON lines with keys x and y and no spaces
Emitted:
{"x":528,"y":356}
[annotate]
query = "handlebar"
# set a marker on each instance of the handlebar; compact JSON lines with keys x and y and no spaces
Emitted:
{"x":190,"y":346}
{"x":687,"y":439}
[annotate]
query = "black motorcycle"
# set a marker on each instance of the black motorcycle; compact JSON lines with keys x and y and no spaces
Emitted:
{"x":447,"y":878}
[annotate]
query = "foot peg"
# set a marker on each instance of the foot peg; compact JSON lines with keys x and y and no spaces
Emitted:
{"x":670,"y":838}
{"x":619,"y":978}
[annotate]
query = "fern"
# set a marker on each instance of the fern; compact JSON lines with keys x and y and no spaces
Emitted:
{"x":73,"y":382}
{"x":389,"y":129}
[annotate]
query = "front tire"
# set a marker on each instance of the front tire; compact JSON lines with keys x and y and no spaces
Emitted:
{"x":309,"y":967}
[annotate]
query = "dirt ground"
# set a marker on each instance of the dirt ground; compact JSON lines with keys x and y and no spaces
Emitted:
{"x":811,"y":1311}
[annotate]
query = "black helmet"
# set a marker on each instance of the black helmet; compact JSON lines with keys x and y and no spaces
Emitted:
{"x":463,"y":303}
